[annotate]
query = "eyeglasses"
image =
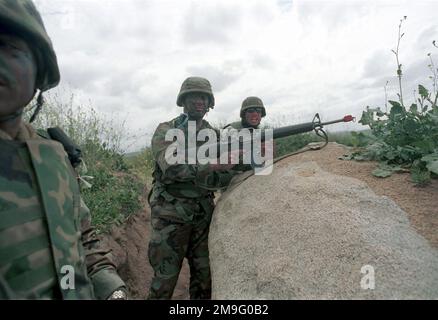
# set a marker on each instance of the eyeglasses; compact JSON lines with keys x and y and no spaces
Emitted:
{"x":258,"y":110}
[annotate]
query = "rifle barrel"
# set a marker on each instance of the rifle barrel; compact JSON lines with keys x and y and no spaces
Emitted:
{"x":291,"y":130}
{"x":344,"y":119}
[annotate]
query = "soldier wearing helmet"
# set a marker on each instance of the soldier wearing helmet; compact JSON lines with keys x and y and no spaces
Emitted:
{"x":47,"y":246}
{"x":251,"y":114}
{"x":182,"y":201}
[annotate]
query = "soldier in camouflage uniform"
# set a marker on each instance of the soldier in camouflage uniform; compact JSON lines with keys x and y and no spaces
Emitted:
{"x":251,"y":114}
{"x":182,"y":201}
{"x":45,"y":231}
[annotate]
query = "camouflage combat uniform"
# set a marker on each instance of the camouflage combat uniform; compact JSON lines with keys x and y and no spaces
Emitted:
{"x":45,"y":225}
{"x":181,"y":207}
{"x":45,"y":229}
{"x":249,"y":102}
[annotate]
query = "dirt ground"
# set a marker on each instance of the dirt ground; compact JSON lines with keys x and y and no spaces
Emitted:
{"x":130,"y":242}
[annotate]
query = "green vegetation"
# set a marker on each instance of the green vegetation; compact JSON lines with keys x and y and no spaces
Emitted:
{"x":405,"y":138}
{"x":351,"y":138}
{"x":112,"y":188}
{"x":142,"y":165}
{"x":291,"y":144}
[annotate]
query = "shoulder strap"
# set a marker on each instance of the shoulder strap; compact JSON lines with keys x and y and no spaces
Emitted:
{"x":72,"y":149}
{"x":43,"y":134}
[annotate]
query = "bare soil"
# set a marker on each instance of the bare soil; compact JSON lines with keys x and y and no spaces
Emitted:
{"x":129,"y":244}
{"x":130,"y":241}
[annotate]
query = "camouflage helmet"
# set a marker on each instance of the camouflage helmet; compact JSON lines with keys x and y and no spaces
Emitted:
{"x":23,"y":18}
{"x":195,"y":84}
{"x":252,"y":102}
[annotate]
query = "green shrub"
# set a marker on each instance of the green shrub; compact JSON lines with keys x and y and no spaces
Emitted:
{"x":406,"y":138}
{"x":291,"y":144}
{"x":115,"y":191}
{"x":142,"y":165}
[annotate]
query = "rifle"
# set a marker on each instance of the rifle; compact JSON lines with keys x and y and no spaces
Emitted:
{"x":316,"y":125}
{"x":241,"y":141}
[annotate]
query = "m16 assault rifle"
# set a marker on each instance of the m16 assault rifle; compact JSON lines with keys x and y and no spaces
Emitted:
{"x":316,"y":125}
{"x":247,"y":140}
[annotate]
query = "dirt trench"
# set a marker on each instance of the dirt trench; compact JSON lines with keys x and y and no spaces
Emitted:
{"x":129,"y":242}
{"x":129,"y":245}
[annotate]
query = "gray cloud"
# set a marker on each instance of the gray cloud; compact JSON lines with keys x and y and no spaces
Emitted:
{"x":262,"y":60}
{"x":334,"y":14}
{"x":425,"y":38}
{"x":380,"y":62}
{"x":300,"y":57}
{"x":285,"y":4}
{"x":210,"y":25}
{"x":220,"y":78}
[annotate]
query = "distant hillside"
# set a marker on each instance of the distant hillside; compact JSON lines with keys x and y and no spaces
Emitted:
{"x":132,"y":154}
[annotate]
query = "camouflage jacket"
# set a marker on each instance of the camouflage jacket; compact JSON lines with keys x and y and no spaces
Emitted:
{"x":239,"y":125}
{"x":45,"y":226}
{"x":180,"y":183}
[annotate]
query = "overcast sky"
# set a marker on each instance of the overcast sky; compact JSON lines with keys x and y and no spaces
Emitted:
{"x":129,"y":57}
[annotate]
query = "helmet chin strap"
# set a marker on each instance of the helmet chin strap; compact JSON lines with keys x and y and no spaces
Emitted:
{"x":16,"y":114}
{"x":39,"y":105}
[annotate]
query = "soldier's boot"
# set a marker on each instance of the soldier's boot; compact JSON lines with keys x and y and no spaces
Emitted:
{"x":162,"y":288}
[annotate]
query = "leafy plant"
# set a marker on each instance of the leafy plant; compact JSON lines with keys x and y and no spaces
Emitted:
{"x":113,"y":191}
{"x":406,"y":138}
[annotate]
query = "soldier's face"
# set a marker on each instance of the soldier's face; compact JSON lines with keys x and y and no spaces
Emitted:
{"x":253,"y":116}
{"x":196,"y":105}
{"x":17,"y":73}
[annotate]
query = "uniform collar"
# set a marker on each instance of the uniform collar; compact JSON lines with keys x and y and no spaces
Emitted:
{"x":26,"y":132}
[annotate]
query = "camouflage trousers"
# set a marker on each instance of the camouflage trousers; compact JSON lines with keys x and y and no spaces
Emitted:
{"x":171,"y":242}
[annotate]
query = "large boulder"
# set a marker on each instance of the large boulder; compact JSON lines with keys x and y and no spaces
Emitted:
{"x":303,"y":233}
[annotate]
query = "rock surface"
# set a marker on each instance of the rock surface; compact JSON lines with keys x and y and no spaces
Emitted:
{"x":303,"y":233}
